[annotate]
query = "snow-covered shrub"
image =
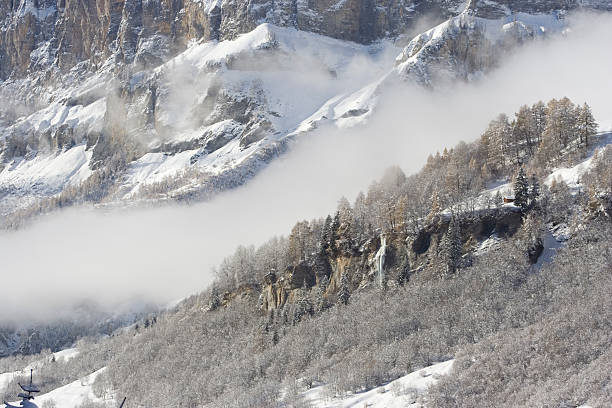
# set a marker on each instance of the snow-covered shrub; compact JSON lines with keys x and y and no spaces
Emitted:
{"x":50,"y":403}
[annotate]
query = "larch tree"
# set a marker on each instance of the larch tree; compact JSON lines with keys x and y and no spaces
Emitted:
{"x":561,"y":120}
{"x":498,"y":135}
{"x":585,"y":125}
{"x":538,"y":117}
{"x":344,"y":293}
{"x":534,"y":191}
{"x":298,"y":242}
{"x":524,"y":133}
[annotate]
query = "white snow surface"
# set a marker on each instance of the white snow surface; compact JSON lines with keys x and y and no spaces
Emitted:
{"x":71,"y":395}
{"x":570,"y":175}
{"x":43,"y":175}
{"x":66,"y":354}
{"x":401,"y":393}
{"x":54,"y":170}
{"x":551,"y":245}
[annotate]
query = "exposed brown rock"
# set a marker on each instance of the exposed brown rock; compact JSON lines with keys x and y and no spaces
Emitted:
{"x":94,"y":30}
{"x":413,"y":253}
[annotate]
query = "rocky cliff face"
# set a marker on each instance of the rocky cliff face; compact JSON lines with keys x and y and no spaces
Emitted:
{"x":383,"y":260}
{"x":62,"y":33}
{"x":38,"y":33}
{"x":202,"y":121}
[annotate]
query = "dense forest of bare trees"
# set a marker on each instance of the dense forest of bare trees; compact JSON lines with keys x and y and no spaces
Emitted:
{"x":356,"y":339}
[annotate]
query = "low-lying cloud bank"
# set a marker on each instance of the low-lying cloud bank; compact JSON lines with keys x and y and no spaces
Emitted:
{"x":115,"y":258}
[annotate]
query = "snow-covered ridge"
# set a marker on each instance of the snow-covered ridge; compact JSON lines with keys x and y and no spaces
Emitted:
{"x":439,"y":52}
{"x":224,"y":109}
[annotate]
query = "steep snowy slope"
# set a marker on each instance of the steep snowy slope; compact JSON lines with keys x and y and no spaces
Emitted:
{"x":71,"y":395}
{"x":64,"y":355}
{"x":211,"y":115}
{"x":463,"y":48}
{"x":569,"y":175}
{"x":466,"y":47}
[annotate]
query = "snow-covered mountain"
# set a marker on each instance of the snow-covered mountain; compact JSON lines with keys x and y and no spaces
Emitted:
{"x":206,"y":119}
{"x":145,"y":107}
{"x":467,"y":46}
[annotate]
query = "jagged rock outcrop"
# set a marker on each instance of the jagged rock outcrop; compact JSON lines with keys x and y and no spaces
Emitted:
{"x":35,"y":33}
{"x":403,"y":255}
{"x":207,"y":110}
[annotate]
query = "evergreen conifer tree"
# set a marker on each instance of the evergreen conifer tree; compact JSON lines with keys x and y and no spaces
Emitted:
{"x":521,"y":190}
{"x":404,"y":274}
{"x":214,"y":300}
{"x":320,"y":304}
{"x":275,"y":337}
{"x":326,"y":233}
{"x":343,"y":292}
{"x":451,"y":247}
{"x":435,"y":210}
{"x":335,"y":226}
{"x":303,"y":306}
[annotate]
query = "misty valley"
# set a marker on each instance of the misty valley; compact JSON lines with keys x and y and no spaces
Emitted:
{"x":326,"y":204}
